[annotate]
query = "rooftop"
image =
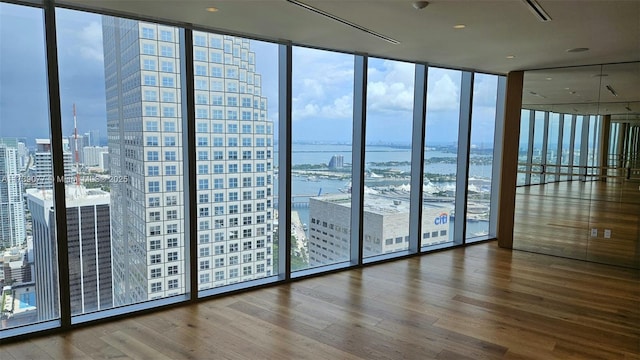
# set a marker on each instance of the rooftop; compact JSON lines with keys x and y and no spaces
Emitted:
{"x":383,"y":204}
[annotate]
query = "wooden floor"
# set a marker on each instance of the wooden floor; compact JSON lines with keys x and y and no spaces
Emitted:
{"x":557,"y":219}
{"x":479,"y":302}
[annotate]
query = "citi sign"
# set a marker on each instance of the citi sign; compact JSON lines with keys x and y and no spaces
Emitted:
{"x":441,"y":219}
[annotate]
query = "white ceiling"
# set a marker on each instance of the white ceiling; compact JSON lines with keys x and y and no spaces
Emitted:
{"x":494,"y":30}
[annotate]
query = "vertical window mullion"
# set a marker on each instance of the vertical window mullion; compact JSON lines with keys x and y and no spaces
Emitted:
{"x":417,"y":156}
{"x":497,"y":151}
{"x":190,"y":207}
{"x":462,"y":173}
{"x":358,"y":149}
{"x":284,"y":159}
{"x":62,"y":244}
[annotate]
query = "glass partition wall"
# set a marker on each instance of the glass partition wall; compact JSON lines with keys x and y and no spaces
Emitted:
{"x":173,"y":164}
{"x":576,"y":194}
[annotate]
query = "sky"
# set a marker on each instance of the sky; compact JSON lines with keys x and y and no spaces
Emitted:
{"x":322,"y":106}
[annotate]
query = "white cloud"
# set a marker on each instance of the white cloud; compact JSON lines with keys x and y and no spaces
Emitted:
{"x":485,"y":90}
{"x":390,"y":87}
{"x":443,"y":95}
{"x":341,"y":108}
{"x":322,"y":85}
{"x":90,"y":41}
{"x":308,"y":110}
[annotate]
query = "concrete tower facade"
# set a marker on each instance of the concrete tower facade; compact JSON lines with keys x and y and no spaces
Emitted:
{"x":145,"y":135}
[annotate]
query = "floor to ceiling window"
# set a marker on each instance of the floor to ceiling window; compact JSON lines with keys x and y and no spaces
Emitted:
{"x":483,"y":123}
{"x":440,"y":155}
{"x":388,"y":156}
{"x":523,"y":149}
{"x":322,"y":130}
{"x":120,"y":96}
{"x":577,"y":146}
{"x":28,"y":237}
{"x":565,"y":150}
{"x":235,"y":85}
{"x":538,"y":158}
{"x":168,"y":163}
{"x":551,"y":161}
{"x":558,"y":147}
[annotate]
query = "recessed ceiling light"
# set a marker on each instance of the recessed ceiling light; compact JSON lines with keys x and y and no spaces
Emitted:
{"x":549,"y":78}
{"x":511,"y":56}
{"x":418,"y":5}
{"x":459,"y":26}
{"x":579,"y":49}
{"x":212,"y":9}
{"x":567,"y":88}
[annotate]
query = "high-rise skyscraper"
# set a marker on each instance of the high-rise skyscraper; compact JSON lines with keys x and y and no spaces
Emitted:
{"x":43,"y":163}
{"x":12,"y":219}
{"x":23,"y":155}
{"x":336,"y":162}
{"x":92,"y":155}
{"x":233,"y":161}
{"x":93,"y":138}
{"x":88,"y":235}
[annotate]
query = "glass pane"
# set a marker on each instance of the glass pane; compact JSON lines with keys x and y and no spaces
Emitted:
{"x":321,"y":157}
{"x":538,"y":136}
{"x":120,"y":97}
{"x":577,"y":144}
{"x":235,"y":85}
{"x":613,"y":155}
{"x":440,"y":155}
{"x":27,"y":220}
{"x":552,"y":148}
{"x":390,"y":89}
{"x":594,"y":155}
{"x":483,"y":121}
{"x":523,"y":148}
{"x":565,"y":159}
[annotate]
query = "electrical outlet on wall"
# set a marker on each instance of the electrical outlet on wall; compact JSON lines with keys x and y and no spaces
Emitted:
{"x":607,"y":233}
{"x":594,"y":232}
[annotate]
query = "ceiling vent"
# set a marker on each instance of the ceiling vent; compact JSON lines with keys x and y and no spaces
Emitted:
{"x":611,"y":90}
{"x":537,"y":10}
{"x":343,"y":21}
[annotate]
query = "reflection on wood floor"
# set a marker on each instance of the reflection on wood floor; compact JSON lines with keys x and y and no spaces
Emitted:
{"x":560,"y":218}
{"x":479,"y":302}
